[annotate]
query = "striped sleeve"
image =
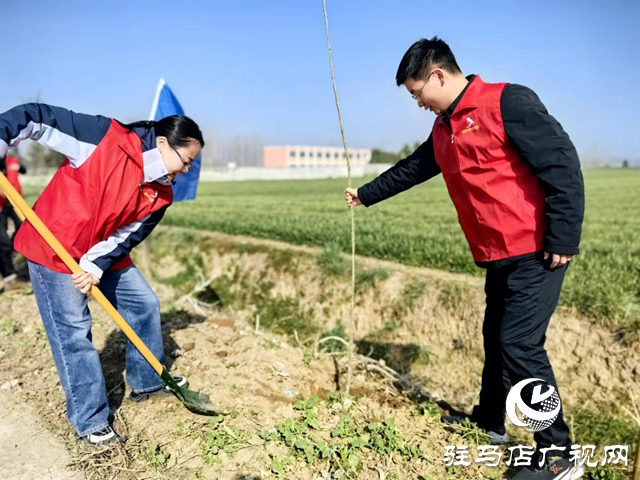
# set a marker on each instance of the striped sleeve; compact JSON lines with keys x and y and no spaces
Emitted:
{"x":75,"y":135}
{"x":104,"y":255}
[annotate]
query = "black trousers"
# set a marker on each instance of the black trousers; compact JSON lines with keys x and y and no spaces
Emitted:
{"x":6,"y":242}
{"x":522,"y":293}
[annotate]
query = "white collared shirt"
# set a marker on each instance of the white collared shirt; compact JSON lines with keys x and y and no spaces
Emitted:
{"x":154,"y":167}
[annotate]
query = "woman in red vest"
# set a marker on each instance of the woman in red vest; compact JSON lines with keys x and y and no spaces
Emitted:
{"x":106,"y":197}
{"x":514,"y":177}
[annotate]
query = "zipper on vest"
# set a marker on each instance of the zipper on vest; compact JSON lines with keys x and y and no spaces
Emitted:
{"x":452,"y":138}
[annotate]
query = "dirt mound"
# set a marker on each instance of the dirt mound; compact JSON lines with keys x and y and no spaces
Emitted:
{"x":258,"y":377}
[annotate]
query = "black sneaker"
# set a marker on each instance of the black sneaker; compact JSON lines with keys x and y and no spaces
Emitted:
{"x":556,"y":468}
{"x":497,"y":436}
{"x":162,"y":391}
{"x":102,"y":437}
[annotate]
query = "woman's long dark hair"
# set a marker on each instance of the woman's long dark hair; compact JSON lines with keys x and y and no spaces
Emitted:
{"x":178,"y":129}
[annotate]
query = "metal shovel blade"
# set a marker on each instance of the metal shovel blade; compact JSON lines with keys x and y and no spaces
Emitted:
{"x":195,"y":401}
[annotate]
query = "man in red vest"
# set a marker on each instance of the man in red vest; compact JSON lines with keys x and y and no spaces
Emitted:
{"x":514,"y":177}
{"x":11,"y":168}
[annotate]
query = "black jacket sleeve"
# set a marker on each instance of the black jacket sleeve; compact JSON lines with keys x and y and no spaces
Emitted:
{"x":546,"y":147}
{"x":418,"y":167}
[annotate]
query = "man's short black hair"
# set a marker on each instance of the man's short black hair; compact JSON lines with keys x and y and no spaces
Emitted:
{"x":424,"y":55}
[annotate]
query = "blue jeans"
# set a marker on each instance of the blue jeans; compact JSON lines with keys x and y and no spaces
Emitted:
{"x":67,"y":321}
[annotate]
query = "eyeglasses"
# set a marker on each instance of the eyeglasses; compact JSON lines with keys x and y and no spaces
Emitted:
{"x":184,"y":164}
{"x":415,"y":97}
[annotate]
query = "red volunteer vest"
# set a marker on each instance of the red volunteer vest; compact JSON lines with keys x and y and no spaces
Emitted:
{"x":499,"y":201}
{"x":86,"y":205}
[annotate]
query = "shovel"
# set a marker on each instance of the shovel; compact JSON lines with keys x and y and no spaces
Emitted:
{"x":194,"y":401}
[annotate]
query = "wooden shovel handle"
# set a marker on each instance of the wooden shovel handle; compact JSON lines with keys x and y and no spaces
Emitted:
{"x":19,"y":203}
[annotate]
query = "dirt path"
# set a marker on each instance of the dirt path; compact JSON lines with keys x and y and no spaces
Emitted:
{"x":27,"y":449}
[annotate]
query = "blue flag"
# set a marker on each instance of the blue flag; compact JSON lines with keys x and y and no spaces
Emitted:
{"x":166,"y":104}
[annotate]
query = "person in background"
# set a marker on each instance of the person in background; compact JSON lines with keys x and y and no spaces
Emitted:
{"x":10,"y":166}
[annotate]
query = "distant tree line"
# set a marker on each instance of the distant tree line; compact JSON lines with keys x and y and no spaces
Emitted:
{"x":381,"y":156}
